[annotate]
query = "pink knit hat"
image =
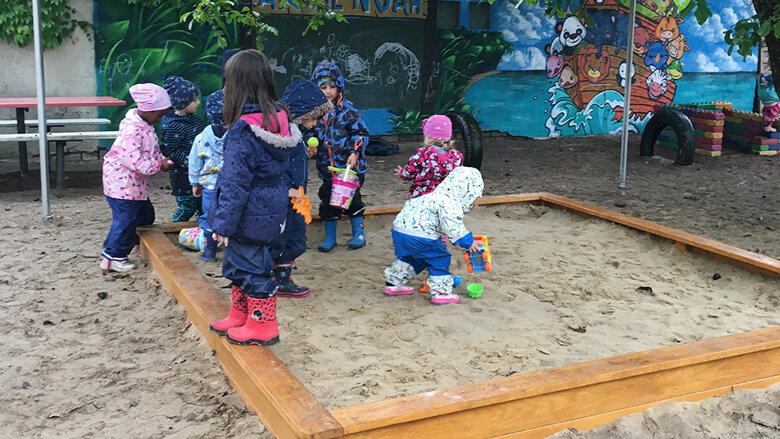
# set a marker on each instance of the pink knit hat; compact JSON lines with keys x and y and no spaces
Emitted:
{"x":437,"y":127}
{"x":150,"y":97}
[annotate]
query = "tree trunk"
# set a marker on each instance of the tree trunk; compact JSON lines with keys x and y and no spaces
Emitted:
{"x":429,"y":71}
{"x":765,"y":8}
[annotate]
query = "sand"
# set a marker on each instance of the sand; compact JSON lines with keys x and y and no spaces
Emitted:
{"x":131,"y":365}
{"x":565,"y":289}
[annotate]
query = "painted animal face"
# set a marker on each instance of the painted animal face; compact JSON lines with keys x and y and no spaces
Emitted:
{"x":622,"y":73}
{"x":568,"y":78}
{"x":554,"y":66}
{"x":656,"y":56}
{"x":572,"y":31}
{"x":641,"y":38}
{"x":668,"y":28}
{"x":657,"y":84}
{"x":676,"y":48}
{"x":555,"y":48}
{"x":595,"y":67}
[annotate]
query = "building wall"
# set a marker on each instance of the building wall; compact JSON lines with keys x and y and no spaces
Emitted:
{"x":69,"y":70}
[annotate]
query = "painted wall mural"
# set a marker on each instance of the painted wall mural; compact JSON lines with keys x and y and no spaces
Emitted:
{"x":569,"y":73}
{"x":518,"y":71}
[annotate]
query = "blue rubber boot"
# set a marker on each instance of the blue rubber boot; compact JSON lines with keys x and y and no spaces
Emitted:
{"x":330,"y":236}
{"x":358,"y":234}
{"x":210,"y":252}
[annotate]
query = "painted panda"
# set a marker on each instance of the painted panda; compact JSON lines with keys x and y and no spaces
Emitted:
{"x":571,"y":31}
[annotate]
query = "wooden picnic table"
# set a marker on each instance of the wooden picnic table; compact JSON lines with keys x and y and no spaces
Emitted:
{"x":24,"y":104}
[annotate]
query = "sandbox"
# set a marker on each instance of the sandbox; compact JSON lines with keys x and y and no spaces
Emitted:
{"x":371,"y":365}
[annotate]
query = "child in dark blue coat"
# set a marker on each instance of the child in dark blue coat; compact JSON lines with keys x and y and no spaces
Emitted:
{"x":179,"y":128}
{"x":306,"y":104}
{"x":249,"y":209}
{"x":343,"y":136}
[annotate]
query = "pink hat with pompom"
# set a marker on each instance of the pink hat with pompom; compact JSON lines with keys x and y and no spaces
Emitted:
{"x":150,"y":97}
{"x":437,"y":127}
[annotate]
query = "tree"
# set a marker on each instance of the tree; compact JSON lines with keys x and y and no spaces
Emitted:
{"x":57,"y":20}
{"x":744,"y":36}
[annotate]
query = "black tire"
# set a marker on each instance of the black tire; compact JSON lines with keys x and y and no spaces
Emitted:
{"x":683,"y":129}
{"x":470,"y":137}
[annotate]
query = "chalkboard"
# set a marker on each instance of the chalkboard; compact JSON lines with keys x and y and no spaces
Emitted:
{"x":379,"y":57}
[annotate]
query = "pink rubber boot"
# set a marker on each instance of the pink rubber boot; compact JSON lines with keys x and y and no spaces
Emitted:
{"x":260,"y":327}
{"x":237,"y":316}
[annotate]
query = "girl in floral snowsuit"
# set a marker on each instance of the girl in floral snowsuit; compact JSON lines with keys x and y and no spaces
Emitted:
{"x":418,"y":230}
{"x":434,"y":161}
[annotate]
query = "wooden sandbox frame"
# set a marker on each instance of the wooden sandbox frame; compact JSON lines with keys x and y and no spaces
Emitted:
{"x":531,"y":405}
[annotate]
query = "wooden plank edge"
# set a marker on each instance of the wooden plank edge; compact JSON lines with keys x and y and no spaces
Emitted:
{"x":764,"y":263}
{"x":595,"y":421}
{"x":459,"y":398}
{"x":253,"y":370}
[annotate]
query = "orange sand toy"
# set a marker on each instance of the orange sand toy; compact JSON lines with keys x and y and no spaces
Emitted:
{"x":304,"y":206}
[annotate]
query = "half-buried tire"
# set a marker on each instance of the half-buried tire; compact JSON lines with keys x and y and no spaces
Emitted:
{"x":470,"y":136}
{"x":683,"y":130}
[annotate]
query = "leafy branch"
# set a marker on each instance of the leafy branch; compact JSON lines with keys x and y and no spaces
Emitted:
{"x":57,"y":22}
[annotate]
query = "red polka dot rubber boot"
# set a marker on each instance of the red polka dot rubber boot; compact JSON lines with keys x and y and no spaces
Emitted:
{"x":260,"y":327}
{"x":237,"y":316}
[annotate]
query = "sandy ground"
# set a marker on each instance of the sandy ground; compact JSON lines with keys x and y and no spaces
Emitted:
{"x":75,"y":365}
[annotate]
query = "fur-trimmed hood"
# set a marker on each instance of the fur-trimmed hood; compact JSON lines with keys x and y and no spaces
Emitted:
{"x":284,"y":137}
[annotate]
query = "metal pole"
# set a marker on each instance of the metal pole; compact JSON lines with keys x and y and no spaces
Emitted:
{"x":621,"y":184}
{"x":40,"y":91}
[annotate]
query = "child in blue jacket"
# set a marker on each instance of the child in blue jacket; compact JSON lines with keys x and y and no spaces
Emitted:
{"x":306,"y":104}
{"x":249,"y":209}
{"x":343,"y":136}
{"x":205,"y":162}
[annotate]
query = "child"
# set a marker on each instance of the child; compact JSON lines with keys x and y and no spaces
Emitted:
{"x":306,"y":104}
{"x":179,"y":129}
{"x":419,"y":227}
{"x":769,"y":99}
{"x":205,"y":162}
{"x":249,"y":208}
{"x":127,"y":169}
{"x":435,"y":160}
{"x":342,"y":136}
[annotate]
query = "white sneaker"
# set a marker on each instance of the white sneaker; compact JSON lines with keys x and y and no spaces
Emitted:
{"x":107,"y":265}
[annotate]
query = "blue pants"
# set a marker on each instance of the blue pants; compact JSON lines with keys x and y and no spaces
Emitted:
{"x":422,"y":253}
{"x":249,"y":266}
{"x":188,"y":205}
{"x":127,"y":214}
{"x":292,"y":243}
{"x":205,"y":200}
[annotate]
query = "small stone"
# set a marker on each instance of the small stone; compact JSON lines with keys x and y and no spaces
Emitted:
{"x":102,"y":295}
{"x":716,"y":276}
{"x":543,"y":350}
{"x":620,"y":204}
{"x":645,"y":290}
{"x":26,"y":385}
{"x":578,"y":328}
{"x":48,"y":323}
{"x":767,"y":418}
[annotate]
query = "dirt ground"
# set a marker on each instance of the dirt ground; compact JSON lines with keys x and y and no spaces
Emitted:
{"x":76,"y":365}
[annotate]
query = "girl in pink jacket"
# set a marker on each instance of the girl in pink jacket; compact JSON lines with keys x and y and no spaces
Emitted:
{"x":435,"y":160}
{"x":127,"y":169}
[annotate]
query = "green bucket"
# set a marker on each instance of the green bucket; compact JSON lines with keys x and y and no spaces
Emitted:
{"x":475,"y":290}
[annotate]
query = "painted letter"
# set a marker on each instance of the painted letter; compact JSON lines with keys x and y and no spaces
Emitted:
{"x":365,"y":5}
{"x":400,"y":4}
{"x":335,"y":6}
{"x":415,"y":6}
{"x":383,"y":8}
